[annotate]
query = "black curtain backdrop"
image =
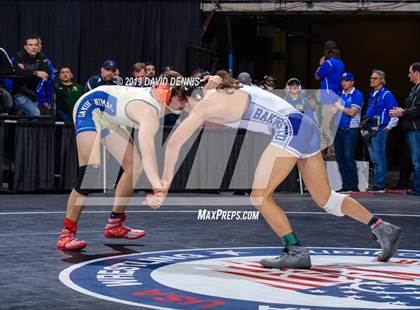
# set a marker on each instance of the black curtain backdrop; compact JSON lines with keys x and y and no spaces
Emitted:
{"x":66,"y":162}
{"x":34,"y":157}
{"x":84,"y":33}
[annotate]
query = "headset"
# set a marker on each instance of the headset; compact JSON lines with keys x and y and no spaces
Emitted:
{"x":197,"y":91}
{"x":164,"y":93}
{"x":287,"y":87}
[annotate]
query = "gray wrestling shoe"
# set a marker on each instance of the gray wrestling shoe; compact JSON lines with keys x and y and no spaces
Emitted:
{"x":388,"y":236}
{"x":291,"y":257}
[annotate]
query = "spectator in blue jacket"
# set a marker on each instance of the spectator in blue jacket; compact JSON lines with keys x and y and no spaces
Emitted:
{"x":329,"y":73}
{"x":381,"y":102}
{"x":347,"y":136}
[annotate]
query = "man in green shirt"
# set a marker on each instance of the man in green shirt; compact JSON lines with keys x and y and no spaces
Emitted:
{"x":66,"y":94}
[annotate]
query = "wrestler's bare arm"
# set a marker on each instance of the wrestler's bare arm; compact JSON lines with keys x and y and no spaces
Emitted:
{"x":149,"y":125}
{"x":172,"y":150}
{"x":181,"y":134}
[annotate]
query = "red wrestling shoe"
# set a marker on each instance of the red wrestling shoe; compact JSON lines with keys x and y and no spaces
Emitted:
{"x":68,"y":242}
{"x":115,"y":228}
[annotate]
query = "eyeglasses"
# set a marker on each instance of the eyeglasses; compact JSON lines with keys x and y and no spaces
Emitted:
{"x":374,"y":78}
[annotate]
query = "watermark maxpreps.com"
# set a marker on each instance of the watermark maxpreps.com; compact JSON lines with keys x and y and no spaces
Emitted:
{"x":219,"y":214}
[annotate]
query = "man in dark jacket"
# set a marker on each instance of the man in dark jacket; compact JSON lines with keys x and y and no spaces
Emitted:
{"x":411,"y":123}
{"x":30,"y":64}
{"x":106,"y":77}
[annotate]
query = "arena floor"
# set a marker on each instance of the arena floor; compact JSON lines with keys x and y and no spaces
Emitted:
{"x":30,"y":264}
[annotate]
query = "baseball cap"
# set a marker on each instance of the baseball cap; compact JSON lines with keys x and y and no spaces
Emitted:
{"x":347,"y":76}
{"x":328,"y":45}
{"x":109,"y":64}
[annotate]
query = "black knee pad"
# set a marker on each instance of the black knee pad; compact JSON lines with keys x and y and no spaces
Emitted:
{"x":88,"y":179}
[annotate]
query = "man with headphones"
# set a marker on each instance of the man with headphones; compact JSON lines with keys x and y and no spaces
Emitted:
{"x":101,"y":116}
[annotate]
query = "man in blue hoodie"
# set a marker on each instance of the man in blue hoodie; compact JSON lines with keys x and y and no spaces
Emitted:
{"x":329,"y":73}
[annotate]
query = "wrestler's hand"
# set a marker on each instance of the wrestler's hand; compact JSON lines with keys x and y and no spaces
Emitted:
{"x":155,"y":201}
{"x":213,"y":81}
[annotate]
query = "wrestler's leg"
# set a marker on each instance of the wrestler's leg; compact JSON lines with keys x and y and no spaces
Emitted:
{"x":274,"y":166}
{"x":120,"y":144}
{"x":314,"y":174}
{"x":315,"y":177}
{"x":88,"y":155}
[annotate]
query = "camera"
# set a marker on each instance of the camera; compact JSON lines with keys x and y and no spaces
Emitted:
{"x":367,"y":134}
{"x":367,"y":131}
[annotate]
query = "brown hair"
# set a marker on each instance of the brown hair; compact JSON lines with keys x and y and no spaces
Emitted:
{"x":31,"y":37}
{"x":227,"y":80}
{"x":177,"y":90}
{"x":222,"y":73}
{"x":229,"y":83}
{"x":138,"y":66}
